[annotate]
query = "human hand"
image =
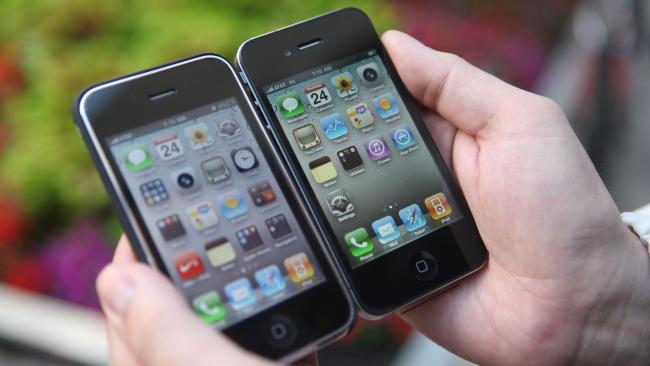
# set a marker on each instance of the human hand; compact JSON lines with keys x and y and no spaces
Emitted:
{"x":565,"y":281}
{"x":149,"y":322}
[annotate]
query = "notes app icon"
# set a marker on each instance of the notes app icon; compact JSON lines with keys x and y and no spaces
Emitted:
{"x":322,"y":169}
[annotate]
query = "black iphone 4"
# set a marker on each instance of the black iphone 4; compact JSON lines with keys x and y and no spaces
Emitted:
{"x":387,"y":205}
{"x":202,"y":196}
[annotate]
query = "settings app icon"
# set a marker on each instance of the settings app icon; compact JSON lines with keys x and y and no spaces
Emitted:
{"x":339,"y":203}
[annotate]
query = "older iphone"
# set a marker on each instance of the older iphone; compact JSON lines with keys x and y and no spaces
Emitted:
{"x":202,"y":195}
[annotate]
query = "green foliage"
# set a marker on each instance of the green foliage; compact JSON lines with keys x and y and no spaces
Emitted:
{"x":64,"y":46}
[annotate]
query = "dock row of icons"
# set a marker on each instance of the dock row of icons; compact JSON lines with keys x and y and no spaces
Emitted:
{"x":386,"y":230}
{"x":240,"y":293}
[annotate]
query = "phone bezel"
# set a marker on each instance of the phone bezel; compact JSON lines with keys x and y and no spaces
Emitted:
{"x":378,"y":286}
{"x":123,"y":104}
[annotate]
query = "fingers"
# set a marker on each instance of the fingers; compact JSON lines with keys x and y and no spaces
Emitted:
{"x":466,"y":96}
{"x":156,"y":324}
{"x":124,"y":252}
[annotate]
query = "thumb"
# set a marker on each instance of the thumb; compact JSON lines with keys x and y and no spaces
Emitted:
{"x":156,"y":324}
{"x":469,"y":98}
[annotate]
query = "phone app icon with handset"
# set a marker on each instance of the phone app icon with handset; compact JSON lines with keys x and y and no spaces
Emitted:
{"x":344,"y":84}
{"x":333,"y":126}
{"x":270,"y":280}
{"x":358,"y":242}
{"x":290,"y":105}
{"x":137,"y":158}
{"x":189,"y":265}
{"x":240,"y":293}
{"x":209,"y":307}
{"x":299,"y":267}
{"x":412,"y":217}
{"x":385,"y":229}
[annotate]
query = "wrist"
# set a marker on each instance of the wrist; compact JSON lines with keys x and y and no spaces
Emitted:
{"x":617,"y":325}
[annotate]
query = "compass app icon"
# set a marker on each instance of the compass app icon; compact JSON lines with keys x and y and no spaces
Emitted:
{"x":333,"y":126}
{"x":412,"y":217}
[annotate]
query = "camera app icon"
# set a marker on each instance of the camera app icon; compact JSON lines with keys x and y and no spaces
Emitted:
{"x":185,"y":180}
{"x":369,"y":75}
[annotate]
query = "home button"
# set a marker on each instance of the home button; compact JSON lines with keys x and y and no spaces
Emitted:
{"x":280,"y":331}
{"x":423,"y":266}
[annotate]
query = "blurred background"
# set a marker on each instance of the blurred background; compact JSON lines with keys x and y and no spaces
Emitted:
{"x":56,"y":226}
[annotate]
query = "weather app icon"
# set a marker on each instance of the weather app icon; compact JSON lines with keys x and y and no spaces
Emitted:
{"x":333,"y":126}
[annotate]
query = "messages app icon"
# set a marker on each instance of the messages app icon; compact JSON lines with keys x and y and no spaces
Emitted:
{"x":290,"y":105}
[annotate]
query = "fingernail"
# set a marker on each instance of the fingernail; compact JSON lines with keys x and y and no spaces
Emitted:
{"x":123,"y":292}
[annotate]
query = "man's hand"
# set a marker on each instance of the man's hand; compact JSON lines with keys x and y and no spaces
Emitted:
{"x":565,"y":281}
{"x":149,"y":322}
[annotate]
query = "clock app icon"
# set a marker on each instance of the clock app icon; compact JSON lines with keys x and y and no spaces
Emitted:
{"x":244,"y":159}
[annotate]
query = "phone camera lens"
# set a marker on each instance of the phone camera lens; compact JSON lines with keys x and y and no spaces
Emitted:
{"x":287,"y":52}
{"x":185,"y":180}
{"x":370,"y":74}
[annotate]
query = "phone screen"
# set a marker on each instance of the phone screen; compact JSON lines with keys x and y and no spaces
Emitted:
{"x":215,"y":212}
{"x":375,"y":180}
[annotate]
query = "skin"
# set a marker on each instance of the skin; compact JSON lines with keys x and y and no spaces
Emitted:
{"x":566,"y":281}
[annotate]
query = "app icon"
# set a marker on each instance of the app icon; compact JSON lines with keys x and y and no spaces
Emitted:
{"x":385,"y":229}
{"x":386,"y":105}
{"x":154,"y":192}
{"x":189,"y":265}
{"x":438,"y":206}
{"x":402,"y":137}
{"x":278,"y":226}
{"x":306,"y":137}
{"x":270,"y":280}
{"x":333,"y":126}
{"x":298,"y":267}
{"x":219,"y":252}
{"x":244,"y":159}
{"x":232,"y":205}
{"x":240,"y":293}
{"x":262,"y":193}
{"x":412,"y":217}
{"x":198,"y":136}
{"x":138,"y":158}
{"x":290,"y":105}
{"x":369,"y":74}
{"x":171,"y":227}
{"x":185,"y":180}
{"x":209,"y":307}
{"x":360,"y":116}
{"x":339,"y":203}
{"x":350,"y":158}
{"x":228,"y":127}
{"x":377,"y":148}
{"x":249,"y":238}
{"x":344,"y":84}
{"x":322,"y":169}
{"x":358,"y":242}
{"x":202,"y":216}
{"x":168,"y":146}
{"x":318,"y":95}
{"x":215,"y":170}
